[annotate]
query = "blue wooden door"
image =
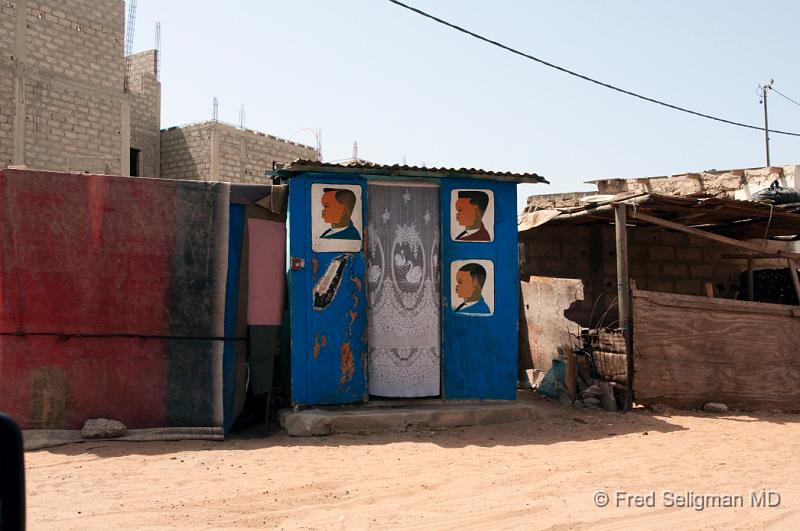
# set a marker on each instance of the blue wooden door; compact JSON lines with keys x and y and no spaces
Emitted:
{"x":479,"y":344}
{"x":327,"y":290}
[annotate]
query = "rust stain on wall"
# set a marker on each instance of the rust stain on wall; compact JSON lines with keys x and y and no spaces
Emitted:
{"x":319,"y":343}
{"x":347,"y":365}
{"x":364,"y":358}
{"x":357,"y":282}
{"x":314,"y":267}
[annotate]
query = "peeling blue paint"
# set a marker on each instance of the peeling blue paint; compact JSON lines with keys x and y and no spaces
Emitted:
{"x":328,"y":347}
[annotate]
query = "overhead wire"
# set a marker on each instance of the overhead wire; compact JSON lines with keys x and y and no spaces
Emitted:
{"x":785,"y":96}
{"x":585,"y":77}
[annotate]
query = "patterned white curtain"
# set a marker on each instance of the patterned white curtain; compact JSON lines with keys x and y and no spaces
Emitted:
{"x":403,"y":290}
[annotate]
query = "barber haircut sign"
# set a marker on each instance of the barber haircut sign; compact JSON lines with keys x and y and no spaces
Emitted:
{"x":472,"y":287}
{"x":336,"y":220}
{"x":472,"y":215}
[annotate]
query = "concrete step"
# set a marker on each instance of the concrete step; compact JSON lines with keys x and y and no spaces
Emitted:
{"x":425,"y":416}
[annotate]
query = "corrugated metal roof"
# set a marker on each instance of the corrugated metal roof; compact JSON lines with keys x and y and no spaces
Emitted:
{"x":401,"y":170}
{"x":730,"y":217}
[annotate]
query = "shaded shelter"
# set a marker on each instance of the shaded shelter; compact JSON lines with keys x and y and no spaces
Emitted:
{"x":696,"y":248}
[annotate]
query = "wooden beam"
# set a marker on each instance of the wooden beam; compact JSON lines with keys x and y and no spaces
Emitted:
{"x":795,"y":280}
{"x":624,"y":294}
{"x":710,"y":236}
{"x":715,"y":304}
{"x":737,"y":256}
{"x":709,"y":290}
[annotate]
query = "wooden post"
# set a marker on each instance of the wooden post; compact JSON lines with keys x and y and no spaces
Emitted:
{"x":624,"y":294}
{"x":709,"y":290}
{"x":572,"y":384}
{"x":795,"y":279}
{"x":751,"y":289}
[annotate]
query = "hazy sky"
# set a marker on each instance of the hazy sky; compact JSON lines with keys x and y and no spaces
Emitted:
{"x":404,"y":86}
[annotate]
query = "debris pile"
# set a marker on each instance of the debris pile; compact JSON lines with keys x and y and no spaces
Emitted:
{"x":593,"y":376}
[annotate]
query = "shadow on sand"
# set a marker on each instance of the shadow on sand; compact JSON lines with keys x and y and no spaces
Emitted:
{"x":553,"y":424}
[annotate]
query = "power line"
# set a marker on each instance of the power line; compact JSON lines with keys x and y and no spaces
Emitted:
{"x":585,"y":78}
{"x":784,"y":95}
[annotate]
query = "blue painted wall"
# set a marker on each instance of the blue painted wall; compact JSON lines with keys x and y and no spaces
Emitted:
{"x":328,"y":347}
{"x":480,"y":352}
{"x":235,"y":243}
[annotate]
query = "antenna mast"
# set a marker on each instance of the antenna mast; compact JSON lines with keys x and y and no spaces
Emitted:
{"x":158,"y":51}
{"x":129,"y":42}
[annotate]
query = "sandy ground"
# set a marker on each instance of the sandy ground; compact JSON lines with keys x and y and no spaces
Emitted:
{"x":531,"y":475}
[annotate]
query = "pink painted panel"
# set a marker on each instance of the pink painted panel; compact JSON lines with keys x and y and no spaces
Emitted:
{"x":266,"y":272}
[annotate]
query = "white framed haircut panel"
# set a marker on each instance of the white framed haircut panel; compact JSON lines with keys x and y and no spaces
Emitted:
{"x":471,"y":215}
{"x":472,"y":287}
{"x":336,"y":217}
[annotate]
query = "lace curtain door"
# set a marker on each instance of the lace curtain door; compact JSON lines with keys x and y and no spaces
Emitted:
{"x":404,"y":330}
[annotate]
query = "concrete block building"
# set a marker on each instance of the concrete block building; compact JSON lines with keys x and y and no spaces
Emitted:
{"x":216,"y":151}
{"x":71,"y":101}
{"x":64,"y":103}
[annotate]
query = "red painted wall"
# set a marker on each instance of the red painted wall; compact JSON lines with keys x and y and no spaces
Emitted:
{"x":84,"y":255}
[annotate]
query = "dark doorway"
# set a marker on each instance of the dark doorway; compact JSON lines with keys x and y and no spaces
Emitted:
{"x":135,"y":154}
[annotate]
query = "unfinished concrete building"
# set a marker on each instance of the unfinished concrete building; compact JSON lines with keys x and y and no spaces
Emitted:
{"x":64,"y":104}
{"x":71,"y":101}
{"x":216,"y":151}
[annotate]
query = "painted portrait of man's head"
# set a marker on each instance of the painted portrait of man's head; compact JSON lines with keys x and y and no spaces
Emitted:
{"x":474,"y":216}
{"x":337,"y":210}
{"x":469,"y":283}
{"x":336,"y":217}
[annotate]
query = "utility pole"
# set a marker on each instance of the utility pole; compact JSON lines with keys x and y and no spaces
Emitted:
{"x":764,"y":88}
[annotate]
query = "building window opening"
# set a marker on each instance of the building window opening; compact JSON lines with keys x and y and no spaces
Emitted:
{"x":135,"y":155}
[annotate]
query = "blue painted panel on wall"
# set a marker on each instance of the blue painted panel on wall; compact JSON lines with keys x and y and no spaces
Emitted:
{"x":235,"y":242}
{"x":480,"y":351}
{"x":328,"y":339}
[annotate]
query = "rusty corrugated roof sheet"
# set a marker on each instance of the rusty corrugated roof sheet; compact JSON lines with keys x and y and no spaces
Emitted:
{"x":730,"y":217}
{"x":402,"y":170}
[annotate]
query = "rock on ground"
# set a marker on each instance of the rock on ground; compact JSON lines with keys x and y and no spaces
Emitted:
{"x":715,"y":407}
{"x":658,"y":408}
{"x":593,"y":391}
{"x":591,"y":402}
{"x":103,"y":429}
